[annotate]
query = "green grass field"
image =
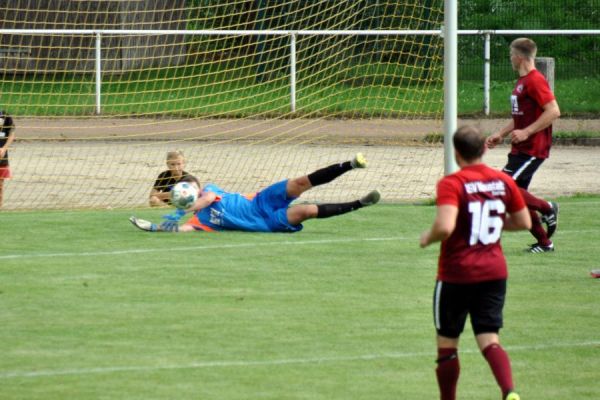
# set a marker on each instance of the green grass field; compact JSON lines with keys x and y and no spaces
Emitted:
{"x":91,"y":308}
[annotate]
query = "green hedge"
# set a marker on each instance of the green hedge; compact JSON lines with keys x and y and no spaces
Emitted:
{"x":576,"y":56}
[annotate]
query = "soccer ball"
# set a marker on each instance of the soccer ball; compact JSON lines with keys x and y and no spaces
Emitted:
{"x":184,"y":195}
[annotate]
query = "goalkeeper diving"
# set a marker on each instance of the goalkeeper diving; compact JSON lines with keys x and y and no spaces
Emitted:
{"x":268,"y":210}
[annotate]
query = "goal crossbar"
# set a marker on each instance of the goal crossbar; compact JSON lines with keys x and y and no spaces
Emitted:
{"x":279,"y":32}
{"x":217,"y":32}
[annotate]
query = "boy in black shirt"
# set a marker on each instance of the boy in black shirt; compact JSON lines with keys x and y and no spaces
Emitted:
{"x":160,"y":193}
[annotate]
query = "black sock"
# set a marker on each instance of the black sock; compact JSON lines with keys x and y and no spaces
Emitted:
{"x":327,"y":174}
{"x":330,"y":210}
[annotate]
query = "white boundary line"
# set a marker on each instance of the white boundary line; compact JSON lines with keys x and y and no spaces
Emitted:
{"x":289,"y":361}
{"x":205,"y":247}
{"x":230,"y":246}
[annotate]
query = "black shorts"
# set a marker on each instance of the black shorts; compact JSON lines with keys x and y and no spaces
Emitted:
{"x":483,"y":302}
{"x":522,"y":167}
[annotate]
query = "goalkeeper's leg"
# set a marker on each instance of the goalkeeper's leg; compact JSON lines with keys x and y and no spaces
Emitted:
{"x":295,"y":187}
{"x":299,"y":213}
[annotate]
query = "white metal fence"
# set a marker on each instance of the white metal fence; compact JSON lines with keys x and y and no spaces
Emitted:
{"x":486,"y":34}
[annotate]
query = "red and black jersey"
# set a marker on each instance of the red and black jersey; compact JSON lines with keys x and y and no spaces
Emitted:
{"x":483,"y":196}
{"x":530,"y":95}
{"x":5,"y":131}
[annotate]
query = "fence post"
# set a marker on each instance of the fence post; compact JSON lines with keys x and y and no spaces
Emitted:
{"x":546,"y":66}
{"x":486,"y":74}
{"x":293,"y":72}
{"x":98,"y":73}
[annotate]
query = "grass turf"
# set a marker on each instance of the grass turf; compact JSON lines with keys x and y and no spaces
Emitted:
{"x":92,"y":308}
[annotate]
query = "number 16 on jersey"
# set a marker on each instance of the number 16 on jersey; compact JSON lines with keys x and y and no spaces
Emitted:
{"x":486,"y":227}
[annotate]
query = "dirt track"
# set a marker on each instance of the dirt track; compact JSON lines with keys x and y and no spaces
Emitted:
{"x":224,"y":129}
{"x":97,"y":164}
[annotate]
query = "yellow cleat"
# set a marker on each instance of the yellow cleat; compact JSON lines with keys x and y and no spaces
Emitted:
{"x":512,"y":396}
{"x":371,"y":198}
{"x":359,"y":161}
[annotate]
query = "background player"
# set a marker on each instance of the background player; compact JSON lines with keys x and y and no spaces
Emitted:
{"x":268,"y":210}
{"x":7,"y":137}
{"x":474,"y":205}
{"x":534,"y":108}
{"x":160,"y":193}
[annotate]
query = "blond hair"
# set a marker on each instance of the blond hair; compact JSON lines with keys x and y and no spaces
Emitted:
{"x":524,"y":47}
{"x":173,"y":155}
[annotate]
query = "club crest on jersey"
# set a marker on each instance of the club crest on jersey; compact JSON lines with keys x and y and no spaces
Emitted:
{"x":520,"y":88}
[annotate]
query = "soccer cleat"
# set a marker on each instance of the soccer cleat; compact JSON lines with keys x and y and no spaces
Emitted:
{"x":595,"y":273}
{"x":538,"y":248}
{"x":512,"y":396}
{"x":359,"y":161}
{"x":370,"y":199}
{"x":143,"y":224}
{"x":551,"y":219}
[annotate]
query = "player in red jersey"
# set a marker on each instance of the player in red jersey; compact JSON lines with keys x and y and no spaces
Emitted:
{"x":474,"y":206}
{"x":7,"y":136}
{"x":534,"y":108}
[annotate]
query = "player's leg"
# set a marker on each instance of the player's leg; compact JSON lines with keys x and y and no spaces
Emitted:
{"x":499,"y":362}
{"x":4,"y":175}
{"x":449,"y":315}
{"x":299,"y":213}
{"x":543,"y":243}
{"x":522,"y":167}
{"x":486,"y":320}
{"x":448,"y":367}
{"x":549,"y":211}
{"x":295,"y":187}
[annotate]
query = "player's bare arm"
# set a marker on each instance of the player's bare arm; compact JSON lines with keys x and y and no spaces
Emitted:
{"x":550,"y":114}
{"x":204,"y":200}
{"x":159,"y":195}
{"x":443,"y":225}
{"x":497,"y":138}
{"x":518,"y":220}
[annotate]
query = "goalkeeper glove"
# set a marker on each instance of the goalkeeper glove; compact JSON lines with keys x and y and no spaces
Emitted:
{"x":170,"y":223}
{"x":169,"y":226}
{"x":175,"y":215}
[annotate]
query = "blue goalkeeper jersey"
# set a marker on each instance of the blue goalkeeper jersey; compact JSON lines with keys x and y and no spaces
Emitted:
{"x":264,"y":212}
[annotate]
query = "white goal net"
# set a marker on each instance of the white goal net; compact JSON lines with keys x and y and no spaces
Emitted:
{"x":251,"y":91}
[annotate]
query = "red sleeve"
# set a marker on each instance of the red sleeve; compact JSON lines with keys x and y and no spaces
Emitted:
{"x":539,"y":90}
{"x":448,"y":192}
{"x":516,"y":200}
